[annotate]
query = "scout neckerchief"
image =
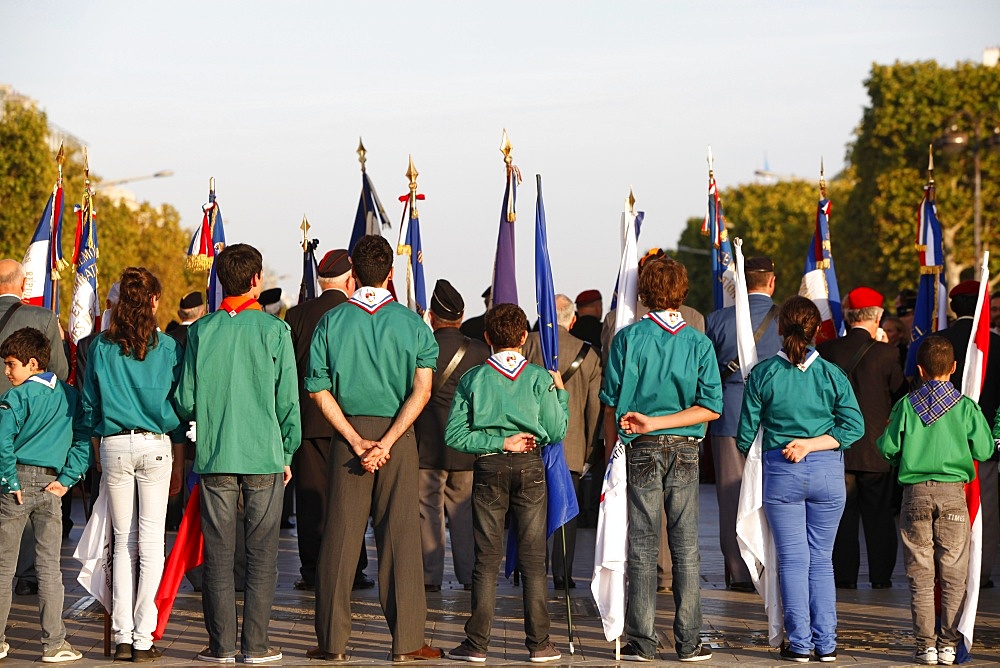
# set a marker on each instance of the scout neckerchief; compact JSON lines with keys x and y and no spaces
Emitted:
{"x":672,"y":321}
{"x":46,"y":378}
{"x":811,"y":357}
{"x":371,"y":299}
{"x":933,"y":399}
{"x":238,"y":304}
{"x":508,"y":362}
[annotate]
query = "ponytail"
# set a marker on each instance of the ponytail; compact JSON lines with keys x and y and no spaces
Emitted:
{"x":797,"y":324}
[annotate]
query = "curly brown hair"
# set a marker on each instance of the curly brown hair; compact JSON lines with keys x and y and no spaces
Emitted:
{"x":663,"y":284}
{"x":133,"y":324}
{"x":505,"y":324}
{"x":798,"y":323}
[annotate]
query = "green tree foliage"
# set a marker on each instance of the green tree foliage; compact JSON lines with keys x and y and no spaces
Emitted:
{"x":140,"y":236}
{"x":912,"y":106}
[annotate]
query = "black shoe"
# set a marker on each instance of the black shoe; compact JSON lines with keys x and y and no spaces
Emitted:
{"x":844,"y":584}
{"x":303,"y":585}
{"x":987,"y":585}
{"x":363,"y":582}
{"x":467,"y":587}
{"x":825,"y":658}
{"x":787,"y":654}
{"x":882,"y":585}
{"x":703,"y":654}
{"x":123,"y":652}
{"x":559,"y":583}
{"x":432,"y":589}
{"x":146,"y":655}
{"x":26,"y":588}
{"x":630,"y":652}
{"x":743,"y":587}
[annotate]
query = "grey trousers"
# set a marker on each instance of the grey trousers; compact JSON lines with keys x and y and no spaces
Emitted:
{"x":390,"y":497}
{"x":446,"y":494}
{"x":989,"y":491}
{"x":728,"y":478}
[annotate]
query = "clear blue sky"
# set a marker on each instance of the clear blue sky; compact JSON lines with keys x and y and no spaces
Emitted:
{"x":270,"y":99}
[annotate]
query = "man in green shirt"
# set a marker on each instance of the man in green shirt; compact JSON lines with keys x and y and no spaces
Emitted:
{"x":371,"y":369}
{"x":238,"y":383}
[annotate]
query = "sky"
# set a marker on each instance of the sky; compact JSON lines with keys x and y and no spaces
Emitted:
{"x":271,"y":98}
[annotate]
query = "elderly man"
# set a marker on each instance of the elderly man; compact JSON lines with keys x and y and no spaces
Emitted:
{"x":587,"y":326}
{"x":720,"y":327}
{"x":873,"y":368}
{"x":580,"y":368}
{"x":446,"y":473}
{"x":192,"y":307}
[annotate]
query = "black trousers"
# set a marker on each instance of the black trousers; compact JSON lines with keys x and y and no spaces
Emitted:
{"x":869,"y":499}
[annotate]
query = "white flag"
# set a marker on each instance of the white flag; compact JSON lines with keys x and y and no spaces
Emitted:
{"x":94,"y":551}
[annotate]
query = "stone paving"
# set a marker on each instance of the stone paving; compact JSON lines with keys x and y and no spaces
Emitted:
{"x":874,"y":625}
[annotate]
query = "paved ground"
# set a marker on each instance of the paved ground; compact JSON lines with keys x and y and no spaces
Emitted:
{"x":874,"y":625}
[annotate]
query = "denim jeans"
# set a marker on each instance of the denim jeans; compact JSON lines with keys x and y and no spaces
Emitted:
{"x":137,"y":468}
{"x":45,"y":510}
{"x":663,"y":477}
{"x":803,"y":503}
{"x":262,"y":497}
{"x":934,"y":526}
{"x":499,"y":482}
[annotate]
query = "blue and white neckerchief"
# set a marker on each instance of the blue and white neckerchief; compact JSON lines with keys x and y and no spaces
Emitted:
{"x":672,"y":321}
{"x":371,"y":299}
{"x":508,"y":362}
{"x":811,"y":357}
{"x":46,"y":378}
{"x":933,"y":399}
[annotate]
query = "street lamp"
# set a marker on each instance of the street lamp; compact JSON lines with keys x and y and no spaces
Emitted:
{"x":956,"y":140}
{"x":103,"y":185}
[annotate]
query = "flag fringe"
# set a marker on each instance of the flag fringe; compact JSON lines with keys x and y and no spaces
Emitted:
{"x":198,"y":263}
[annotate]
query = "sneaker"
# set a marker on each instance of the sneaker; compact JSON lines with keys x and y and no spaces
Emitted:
{"x":825,"y":658}
{"x":206,"y":655}
{"x":703,"y":654}
{"x":271,"y":655}
{"x":630,"y":652}
{"x":787,"y":654}
{"x":465,"y":652}
{"x":546,"y":652}
{"x":63,"y":652}
{"x":946,"y":656}
{"x":4,"y":649}
{"x":927,"y":657}
{"x":145,"y":655}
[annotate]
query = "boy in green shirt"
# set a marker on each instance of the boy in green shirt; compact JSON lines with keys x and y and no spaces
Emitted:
{"x":502,"y":411}
{"x":44,"y":450}
{"x":934,"y":433}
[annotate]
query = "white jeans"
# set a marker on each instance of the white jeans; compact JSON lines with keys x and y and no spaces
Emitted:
{"x":137,"y":470}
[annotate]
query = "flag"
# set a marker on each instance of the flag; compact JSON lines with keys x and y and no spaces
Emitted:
{"x":611,"y":546}
{"x":44,"y":260}
{"x":187,"y":552}
{"x":207,"y":242}
{"x":819,"y":281}
{"x":94,"y":551}
{"x":410,"y":246}
{"x":639,"y":216}
{"x":504,"y":287}
{"x":972,"y":384}
{"x":309,"y":287}
{"x":931,"y":312}
{"x":85,"y":309}
{"x":714,"y":227}
{"x":370,"y":217}
{"x":752,"y":531}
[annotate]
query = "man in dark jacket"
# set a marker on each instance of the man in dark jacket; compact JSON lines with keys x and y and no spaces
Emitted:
{"x":446,"y":473}
{"x":873,"y":369}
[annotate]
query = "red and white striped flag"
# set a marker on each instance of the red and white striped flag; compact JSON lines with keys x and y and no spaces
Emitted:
{"x":972,"y":384}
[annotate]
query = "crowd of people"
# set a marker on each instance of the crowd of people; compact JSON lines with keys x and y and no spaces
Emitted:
{"x":378,"y":417}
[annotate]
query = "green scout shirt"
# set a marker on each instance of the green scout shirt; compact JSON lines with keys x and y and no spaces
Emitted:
{"x":238,"y":383}
{"x":122,"y":393}
{"x":490,"y":405}
{"x":942,"y":451}
{"x":365,"y":352}
{"x":41,"y":424}
{"x":660,"y":366}
{"x":791,"y":402}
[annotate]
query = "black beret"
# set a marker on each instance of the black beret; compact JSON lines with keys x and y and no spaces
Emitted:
{"x":335,"y":263}
{"x":761,"y":263}
{"x":446,"y":303}
{"x":192,"y":300}
{"x":270,"y":296}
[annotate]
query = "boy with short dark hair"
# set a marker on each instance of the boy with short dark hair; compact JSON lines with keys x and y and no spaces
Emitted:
{"x":44,"y":450}
{"x":934,"y":433}
{"x":502,"y":411}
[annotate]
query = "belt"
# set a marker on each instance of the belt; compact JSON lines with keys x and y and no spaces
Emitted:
{"x":134,"y":432}
{"x":933,"y":483}
{"x":535,"y":452}
{"x":28,"y":468}
{"x":665,"y":439}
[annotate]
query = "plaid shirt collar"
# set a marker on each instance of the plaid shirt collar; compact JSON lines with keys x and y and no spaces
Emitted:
{"x":933,"y":399}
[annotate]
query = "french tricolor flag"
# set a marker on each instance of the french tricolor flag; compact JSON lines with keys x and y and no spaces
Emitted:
{"x":972,"y":384}
{"x":819,"y":280}
{"x":43,"y":259}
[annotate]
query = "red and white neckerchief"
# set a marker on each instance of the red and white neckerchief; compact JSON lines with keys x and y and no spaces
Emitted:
{"x":46,"y":378}
{"x":810,"y":358}
{"x":233,"y":306}
{"x":672,"y":321}
{"x":508,"y":362}
{"x":371,"y":299}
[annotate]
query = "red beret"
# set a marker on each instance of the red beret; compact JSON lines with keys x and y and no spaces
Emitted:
{"x":863,"y":298}
{"x":335,"y":263}
{"x":965,"y":288}
{"x":588,"y":297}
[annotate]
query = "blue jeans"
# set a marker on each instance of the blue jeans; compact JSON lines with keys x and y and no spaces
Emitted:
{"x":803,"y":502}
{"x":262,"y":499}
{"x":45,"y":510}
{"x":663,"y":477}
{"x":499,"y":482}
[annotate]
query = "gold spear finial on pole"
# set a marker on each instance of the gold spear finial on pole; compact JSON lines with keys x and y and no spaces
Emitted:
{"x":711,"y":162}
{"x":412,"y":174}
{"x":86,"y":169}
{"x":60,"y":159}
{"x":631,"y":200}
{"x":361,"y":154}
{"x":305,"y":233}
{"x":822,"y":179}
{"x":930,"y":163}
{"x":506,"y":147}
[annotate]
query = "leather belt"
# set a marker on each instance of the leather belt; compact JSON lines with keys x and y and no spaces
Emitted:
{"x":134,"y":432}
{"x":664,"y":439}
{"x":48,"y":470}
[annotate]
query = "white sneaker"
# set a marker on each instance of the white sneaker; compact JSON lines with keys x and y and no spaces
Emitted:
{"x":946,"y":656}
{"x":272,"y":655}
{"x":60,"y":654}
{"x":928,"y":657}
{"x":4,"y":649}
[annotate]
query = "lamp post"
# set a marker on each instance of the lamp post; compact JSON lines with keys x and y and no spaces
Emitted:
{"x":957,"y":140}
